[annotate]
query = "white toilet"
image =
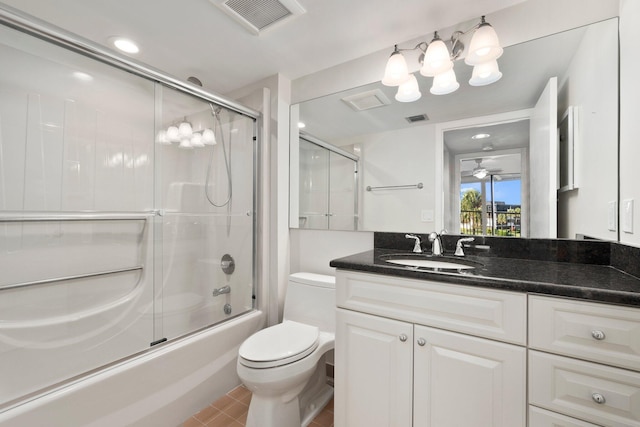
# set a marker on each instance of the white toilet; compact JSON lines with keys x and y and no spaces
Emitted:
{"x":284,"y":365}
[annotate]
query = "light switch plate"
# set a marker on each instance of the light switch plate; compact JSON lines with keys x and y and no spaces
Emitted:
{"x":627,"y":216}
{"x":612,"y":216}
{"x":426,"y":215}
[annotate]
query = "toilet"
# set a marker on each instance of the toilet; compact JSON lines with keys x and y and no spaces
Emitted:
{"x":284,"y":365}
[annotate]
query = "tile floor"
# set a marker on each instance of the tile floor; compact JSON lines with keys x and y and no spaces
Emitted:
{"x":231,"y":411}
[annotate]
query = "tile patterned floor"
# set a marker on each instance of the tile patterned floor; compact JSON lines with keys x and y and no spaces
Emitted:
{"x":231,"y":411}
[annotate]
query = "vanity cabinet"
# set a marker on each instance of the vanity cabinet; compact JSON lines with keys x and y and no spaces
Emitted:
{"x":584,"y":363}
{"x":424,"y":354}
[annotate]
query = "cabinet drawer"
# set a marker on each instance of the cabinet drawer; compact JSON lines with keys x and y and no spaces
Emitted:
{"x":541,"y":418}
{"x":573,"y":387}
{"x":592,"y":331}
{"x":483,"y":312}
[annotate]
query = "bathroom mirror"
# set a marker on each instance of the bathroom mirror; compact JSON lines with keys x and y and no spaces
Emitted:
{"x":406,"y":158}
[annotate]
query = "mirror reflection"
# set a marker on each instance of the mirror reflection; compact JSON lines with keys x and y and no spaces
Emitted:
{"x":565,"y":83}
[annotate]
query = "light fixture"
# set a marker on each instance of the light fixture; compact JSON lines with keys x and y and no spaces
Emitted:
{"x":124,"y":45}
{"x":409,"y":91}
{"x":485,"y":73}
{"x":444,"y":83}
{"x":84,"y":77}
{"x":480,"y":136}
{"x":479,"y":172}
{"x":484,"y":45}
{"x":436,"y":58}
{"x":301,"y":125}
{"x":437,"y":62}
{"x":396,"y":71}
{"x":184,"y":133}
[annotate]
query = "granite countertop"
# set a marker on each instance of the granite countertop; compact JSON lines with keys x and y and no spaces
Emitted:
{"x":601,"y":283}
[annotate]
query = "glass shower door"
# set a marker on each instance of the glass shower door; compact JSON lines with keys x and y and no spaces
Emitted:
{"x":205,"y":196}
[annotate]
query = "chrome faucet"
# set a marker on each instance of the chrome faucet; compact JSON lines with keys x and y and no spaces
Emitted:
{"x":459,"y":251}
{"x":221,"y":291}
{"x":436,"y":247}
{"x":416,"y":247}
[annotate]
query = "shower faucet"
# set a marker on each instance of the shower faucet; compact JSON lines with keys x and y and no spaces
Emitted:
{"x":222,"y":290}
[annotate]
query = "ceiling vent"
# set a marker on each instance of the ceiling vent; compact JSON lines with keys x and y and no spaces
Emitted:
{"x":367,"y":100}
{"x":418,"y":118}
{"x":257,"y":16}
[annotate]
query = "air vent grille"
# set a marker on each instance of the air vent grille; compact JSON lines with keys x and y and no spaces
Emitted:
{"x":367,"y":100}
{"x":260,"y":15}
{"x":418,"y":118}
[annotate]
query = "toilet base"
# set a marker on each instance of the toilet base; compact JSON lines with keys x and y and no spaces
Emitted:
{"x":321,"y":400}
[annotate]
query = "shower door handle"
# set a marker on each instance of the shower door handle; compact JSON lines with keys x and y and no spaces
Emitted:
{"x":222,"y":290}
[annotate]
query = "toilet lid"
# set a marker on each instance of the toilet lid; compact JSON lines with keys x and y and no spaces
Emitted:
{"x":278,"y":345}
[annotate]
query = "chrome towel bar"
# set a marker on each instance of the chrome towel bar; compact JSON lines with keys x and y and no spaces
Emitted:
{"x":397,"y":187}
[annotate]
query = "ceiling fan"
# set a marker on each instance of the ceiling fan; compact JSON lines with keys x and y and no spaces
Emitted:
{"x":479,"y":171}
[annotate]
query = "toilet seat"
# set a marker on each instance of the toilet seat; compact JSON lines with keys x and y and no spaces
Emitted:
{"x":279,"y":345}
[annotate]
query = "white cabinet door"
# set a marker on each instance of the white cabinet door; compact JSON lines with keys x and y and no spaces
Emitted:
{"x":373,"y":371}
{"x":460,"y":380}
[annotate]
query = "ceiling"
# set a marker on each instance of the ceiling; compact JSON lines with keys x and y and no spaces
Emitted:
{"x":196,"y":38}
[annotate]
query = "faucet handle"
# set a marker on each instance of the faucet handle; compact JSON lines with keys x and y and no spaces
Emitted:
{"x":459,"y":251}
{"x":416,"y":247}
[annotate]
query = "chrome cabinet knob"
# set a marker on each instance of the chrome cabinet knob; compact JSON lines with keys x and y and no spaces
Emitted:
{"x":597,"y":335}
{"x":421,"y":342}
{"x":598,"y":398}
{"x":403,"y":337}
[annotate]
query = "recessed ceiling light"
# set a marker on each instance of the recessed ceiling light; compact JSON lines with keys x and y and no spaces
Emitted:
{"x":82,"y":76}
{"x":301,"y":125}
{"x":125,"y":45}
{"x":480,"y":136}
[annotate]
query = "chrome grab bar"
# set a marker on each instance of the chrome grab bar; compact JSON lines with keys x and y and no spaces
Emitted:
{"x":222,"y":290}
{"x":74,"y":216}
{"x":62,"y":279}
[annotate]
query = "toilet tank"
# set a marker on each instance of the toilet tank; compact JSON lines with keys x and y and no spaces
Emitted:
{"x":311,"y":299}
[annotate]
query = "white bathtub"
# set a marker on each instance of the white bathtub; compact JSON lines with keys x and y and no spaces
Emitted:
{"x":161,"y":388}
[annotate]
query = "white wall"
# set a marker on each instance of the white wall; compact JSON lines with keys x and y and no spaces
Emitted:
{"x":596,"y":145}
{"x":399,"y":157}
{"x":629,"y":123}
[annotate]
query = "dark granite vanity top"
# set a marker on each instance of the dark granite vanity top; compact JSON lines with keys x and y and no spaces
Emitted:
{"x":594,"y":279}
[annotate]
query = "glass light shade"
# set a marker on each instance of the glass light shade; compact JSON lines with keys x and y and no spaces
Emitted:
{"x":185,"y":143}
{"x":444,"y":83}
{"x":196,"y":140}
{"x":162,"y":138}
{"x":396,"y":71}
{"x":485,"y":74}
{"x":208,"y":137}
{"x":409,"y":91}
{"x":484,"y":46}
{"x":173,"y":134}
{"x":480,"y":173}
{"x":185,"y":130}
{"x":436,"y":59}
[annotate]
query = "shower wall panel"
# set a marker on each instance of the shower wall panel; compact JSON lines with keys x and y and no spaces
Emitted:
{"x":108,"y":242}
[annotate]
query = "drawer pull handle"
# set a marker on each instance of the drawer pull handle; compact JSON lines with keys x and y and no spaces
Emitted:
{"x":597,"y":335}
{"x":403,"y":337}
{"x":598,"y":398}
{"x":421,"y":342}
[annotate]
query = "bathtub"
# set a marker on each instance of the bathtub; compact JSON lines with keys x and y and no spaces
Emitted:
{"x":162,"y":387}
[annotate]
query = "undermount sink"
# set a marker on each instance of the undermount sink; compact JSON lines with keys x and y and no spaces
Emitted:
{"x":431,"y":262}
